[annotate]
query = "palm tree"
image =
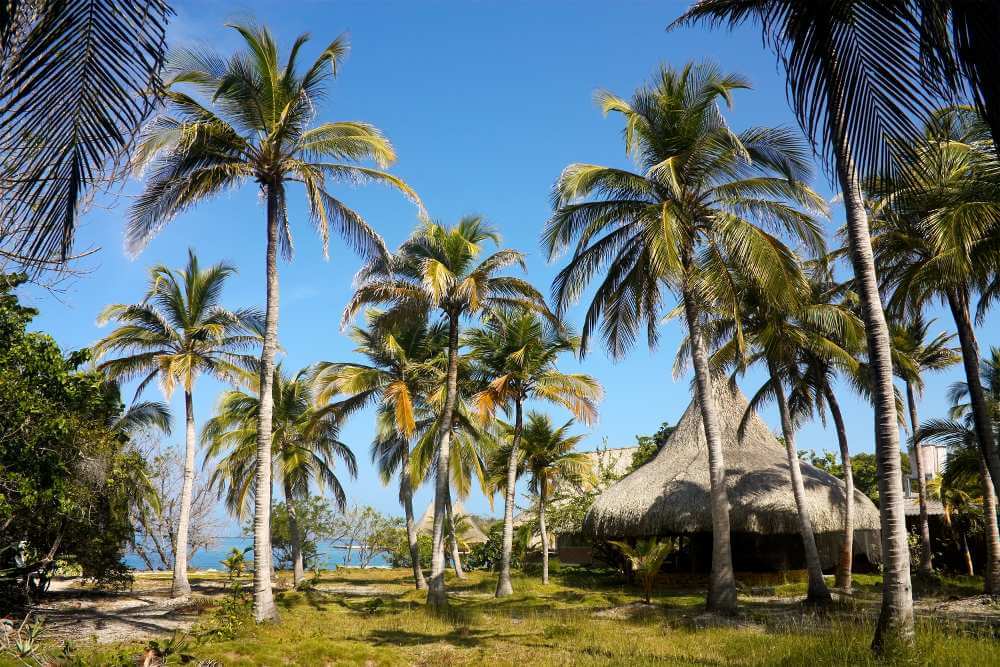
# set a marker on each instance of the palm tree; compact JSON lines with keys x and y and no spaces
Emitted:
{"x":515,"y":356}
{"x":306,"y":448}
{"x":77,"y":81}
{"x":254,"y":125}
{"x":178,"y":332}
{"x":814,"y":392}
{"x":936,"y":239}
{"x":779,"y":334}
{"x":398,"y":379}
{"x":915,"y":354}
{"x":691,"y":208}
{"x":844,"y":92}
{"x":546,"y":455}
{"x":438,"y":270}
{"x":646,"y":558}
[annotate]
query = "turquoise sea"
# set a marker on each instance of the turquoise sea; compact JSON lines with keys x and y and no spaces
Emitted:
{"x":331,"y":553}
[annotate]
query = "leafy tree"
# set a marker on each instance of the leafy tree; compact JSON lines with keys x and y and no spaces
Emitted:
{"x":648,"y":446}
{"x":515,"y":356}
{"x":704,"y":197}
{"x":253,"y":125}
{"x":306,"y":449}
{"x":438,"y":270}
{"x":851,"y":98}
{"x":296,"y":532}
{"x":178,"y":332}
{"x":69,"y":474}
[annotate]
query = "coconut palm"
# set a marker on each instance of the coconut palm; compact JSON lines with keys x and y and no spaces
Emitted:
{"x":254,"y":124}
{"x":702,"y":198}
{"x":646,"y":558}
{"x":397,"y":378}
{"x":914,"y":355}
{"x":438,"y":270}
{"x":77,"y":80}
{"x":845,"y":93}
{"x":178,"y":332}
{"x":965,"y":488}
{"x":813,"y":393}
{"x":545,"y":453}
{"x":779,"y":333}
{"x":515,"y":356}
{"x":936,"y":237}
{"x":306,"y":449}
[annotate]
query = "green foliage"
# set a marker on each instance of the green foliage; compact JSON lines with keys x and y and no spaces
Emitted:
{"x":487,"y":555}
{"x":863,"y":465}
{"x":645,"y":559}
{"x":68,"y":476}
{"x":313,"y":517}
{"x":398,"y":553}
{"x":234,"y":612}
{"x":649,"y":445}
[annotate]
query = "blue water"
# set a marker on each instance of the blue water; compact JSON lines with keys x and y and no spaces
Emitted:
{"x":331,"y":555}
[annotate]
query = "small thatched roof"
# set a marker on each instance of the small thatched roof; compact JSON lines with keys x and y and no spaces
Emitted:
{"x":471,"y":534}
{"x":911,"y":506}
{"x":670,"y":494}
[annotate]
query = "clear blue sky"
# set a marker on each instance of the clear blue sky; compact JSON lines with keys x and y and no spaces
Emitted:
{"x":485,"y":102}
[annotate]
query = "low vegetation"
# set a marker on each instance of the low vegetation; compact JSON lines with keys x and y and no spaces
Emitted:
{"x":583,"y":617}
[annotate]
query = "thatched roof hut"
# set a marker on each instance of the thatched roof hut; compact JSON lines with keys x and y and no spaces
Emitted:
{"x":669,"y":495}
{"x":470,"y":531}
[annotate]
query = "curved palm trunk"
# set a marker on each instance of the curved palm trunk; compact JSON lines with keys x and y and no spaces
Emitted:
{"x":544,"y":533}
{"x":456,"y":557}
{"x":298,"y":566}
{"x":504,"y":586}
{"x":180,"y":586}
{"x":895,"y":622}
{"x":817,"y":592}
{"x":406,"y":495}
{"x":846,"y":565}
{"x":722,"y":584}
{"x":991,"y":580}
{"x":958,"y":302}
{"x":263,"y":597}
{"x":436,"y":594}
{"x":926,"y":562}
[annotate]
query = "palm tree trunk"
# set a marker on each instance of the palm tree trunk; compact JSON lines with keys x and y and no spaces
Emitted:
{"x":456,"y":557}
{"x":504,"y":586}
{"x":991,"y":580}
{"x":969,"y":567}
{"x":722,"y":584}
{"x":817,"y":593}
{"x":263,"y":597}
{"x":180,"y":586}
{"x":436,"y":594}
{"x":406,"y":495}
{"x":298,"y":566}
{"x":926,"y":562}
{"x":843,"y":580}
{"x":895,"y":622}
{"x":958,"y":302}
{"x":544,"y":533}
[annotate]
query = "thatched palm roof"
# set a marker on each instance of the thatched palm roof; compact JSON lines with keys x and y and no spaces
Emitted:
{"x":670,"y":494}
{"x":470,"y":534}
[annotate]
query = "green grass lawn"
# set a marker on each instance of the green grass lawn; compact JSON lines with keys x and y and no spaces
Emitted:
{"x":556,"y":625}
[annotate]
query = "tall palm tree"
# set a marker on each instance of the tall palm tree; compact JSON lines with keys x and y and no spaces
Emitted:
{"x":77,"y":80}
{"x":515,"y":356}
{"x":438,"y":270}
{"x":546,"y":455}
{"x":702,"y":197}
{"x":916,"y":354}
{"x":779,"y":333}
{"x":306,"y":448}
{"x":936,"y":237}
{"x":813,"y":393}
{"x":178,"y":332}
{"x":844,"y":91}
{"x":254,"y":124}
{"x":397,"y":378}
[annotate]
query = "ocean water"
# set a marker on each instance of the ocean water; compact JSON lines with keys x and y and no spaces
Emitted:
{"x":331,"y":555}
